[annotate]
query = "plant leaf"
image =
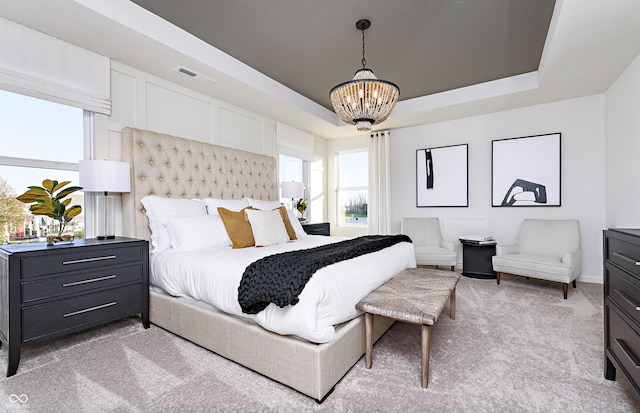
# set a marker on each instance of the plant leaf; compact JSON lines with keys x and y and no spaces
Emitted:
{"x":68,"y":191}
{"x":60,"y":185}
{"x":33,"y":195}
{"x":48,"y":184}
{"x":73,"y":212}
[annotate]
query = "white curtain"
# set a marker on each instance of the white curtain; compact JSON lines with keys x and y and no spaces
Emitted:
{"x":379,"y":208}
{"x":41,"y":66}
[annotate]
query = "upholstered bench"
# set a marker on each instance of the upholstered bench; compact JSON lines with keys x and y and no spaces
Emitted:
{"x":417,"y":296}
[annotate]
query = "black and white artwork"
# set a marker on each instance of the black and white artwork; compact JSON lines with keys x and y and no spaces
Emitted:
{"x":442,"y":176}
{"x":526,"y":171}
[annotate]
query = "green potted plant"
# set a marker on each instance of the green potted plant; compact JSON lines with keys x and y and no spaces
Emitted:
{"x":49,"y":200}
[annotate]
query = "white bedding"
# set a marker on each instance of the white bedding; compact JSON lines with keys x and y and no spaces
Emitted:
{"x":329,"y":298}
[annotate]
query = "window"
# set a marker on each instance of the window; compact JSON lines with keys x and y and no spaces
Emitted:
{"x":289,"y":169}
{"x":353,"y":188}
{"x":39,"y":140}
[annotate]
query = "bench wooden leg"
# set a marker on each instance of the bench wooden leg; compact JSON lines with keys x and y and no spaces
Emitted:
{"x":426,"y":343}
{"x":368,"y":340}
{"x":498,"y":278}
{"x":452,"y":305}
{"x":565,"y":290}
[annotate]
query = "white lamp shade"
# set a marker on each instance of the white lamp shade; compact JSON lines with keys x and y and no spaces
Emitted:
{"x":291,"y":189}
{"x":104,"y":176}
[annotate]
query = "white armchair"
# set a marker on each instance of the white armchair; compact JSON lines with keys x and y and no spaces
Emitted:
{"x":546,"y":249}
{"x":428,"y":244}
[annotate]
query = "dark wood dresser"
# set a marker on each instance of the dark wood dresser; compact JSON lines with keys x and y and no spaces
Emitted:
{"x":51,"y":291}
{"x":622,"y":305}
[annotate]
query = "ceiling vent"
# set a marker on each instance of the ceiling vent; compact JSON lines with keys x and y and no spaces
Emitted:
{"x":195,"y":75}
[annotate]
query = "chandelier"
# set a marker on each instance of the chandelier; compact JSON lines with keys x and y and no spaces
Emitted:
{"x":365,"y":100}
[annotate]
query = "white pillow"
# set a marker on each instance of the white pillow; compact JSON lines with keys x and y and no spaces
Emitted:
{"x":264,"y":205}
{"x":196,"y":232}
{"x":158,"y":208}
{"x":295,"y":223}
{"x":230,"y":204}
{"x":267,"y":227}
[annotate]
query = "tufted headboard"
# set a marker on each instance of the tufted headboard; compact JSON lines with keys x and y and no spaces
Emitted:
{"x":170,"y":166}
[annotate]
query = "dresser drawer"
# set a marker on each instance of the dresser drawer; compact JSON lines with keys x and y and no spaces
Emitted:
{"x":80,"y":259}
{"x":624,"y":254}
{"x":64,"y":316}
{"x":623,"y":290}
{"x":79,"y":281}
{"x":624,"y":344}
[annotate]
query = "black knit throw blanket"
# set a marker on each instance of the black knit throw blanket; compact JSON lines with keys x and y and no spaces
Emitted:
{"x":280,"y":278}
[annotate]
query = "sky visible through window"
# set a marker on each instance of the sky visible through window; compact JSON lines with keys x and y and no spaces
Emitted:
{"x":38,"y":129}
{"x":354,"y":169}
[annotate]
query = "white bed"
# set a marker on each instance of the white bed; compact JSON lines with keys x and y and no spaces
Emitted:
{"x":213,"y":276}
{"x":268,"y":342}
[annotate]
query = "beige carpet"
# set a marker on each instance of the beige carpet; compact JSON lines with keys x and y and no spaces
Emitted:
{"x":517,"y":347}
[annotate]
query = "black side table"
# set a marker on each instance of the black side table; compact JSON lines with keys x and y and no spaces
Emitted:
{"x":320,"y":228}
{"x":476,"y":259}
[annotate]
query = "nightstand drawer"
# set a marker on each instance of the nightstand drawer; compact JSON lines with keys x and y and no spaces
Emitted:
{"x":79,"y":281}
{"x":62,"y":316}
{"x":624,"y":344}
{"x":80,"y":259}
{"x":624,"y":291}
{"x":321,"y":228}
{"x":624,"y":255}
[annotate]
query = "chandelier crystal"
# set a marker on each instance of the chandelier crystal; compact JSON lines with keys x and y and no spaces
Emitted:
{"x":365,"y":100}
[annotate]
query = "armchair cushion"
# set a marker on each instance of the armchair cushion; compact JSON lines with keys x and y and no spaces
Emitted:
{"x":545,"y":267}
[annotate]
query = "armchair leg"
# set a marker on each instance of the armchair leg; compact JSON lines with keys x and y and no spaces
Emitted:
{"x":498,"y":278}
{"x":453,"y":266}
{"x":573,"y":283}
{"x":565,"y":289}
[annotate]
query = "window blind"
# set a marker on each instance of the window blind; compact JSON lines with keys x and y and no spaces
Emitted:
{"x":42,"y":66}
{"x":294,"y":142}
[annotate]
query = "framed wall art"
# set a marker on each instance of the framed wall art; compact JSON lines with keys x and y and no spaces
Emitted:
{"x":442,"y":176}
{"x":526,"y":171}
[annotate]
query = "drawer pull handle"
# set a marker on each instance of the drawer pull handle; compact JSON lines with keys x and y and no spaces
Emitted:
{"x":106,"y":257}
{"x":108,"y":277}
{"x":626,"y":258}
{"x":627,"y":299}
{"x":86,"y":310}
{"x":628,"y":352}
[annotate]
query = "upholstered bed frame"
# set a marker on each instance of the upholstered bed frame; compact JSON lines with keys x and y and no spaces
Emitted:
{"x":170,"y":166}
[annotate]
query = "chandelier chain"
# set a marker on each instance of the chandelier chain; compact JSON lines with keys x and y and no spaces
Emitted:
{"x":364,"y":61}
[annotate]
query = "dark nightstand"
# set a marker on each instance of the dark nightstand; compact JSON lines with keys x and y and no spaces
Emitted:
{"x":52,"y":291}
{"x":321,"y":228}
{"x":476,"y":259}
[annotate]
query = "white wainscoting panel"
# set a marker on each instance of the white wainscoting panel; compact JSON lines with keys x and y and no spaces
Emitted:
{"x":240,"y":131}
{"x":177,"y":114}
{"x":457,"y":226}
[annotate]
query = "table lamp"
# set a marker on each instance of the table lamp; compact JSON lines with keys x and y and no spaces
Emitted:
{"x":292,"y":189}
{"x":105,"y":176}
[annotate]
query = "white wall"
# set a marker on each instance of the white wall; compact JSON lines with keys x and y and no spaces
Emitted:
{"x":581,"y":122}
{"x":623,"y":149}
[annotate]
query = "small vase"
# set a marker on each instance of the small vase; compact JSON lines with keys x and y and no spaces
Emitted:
{"x":60,"y":239}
